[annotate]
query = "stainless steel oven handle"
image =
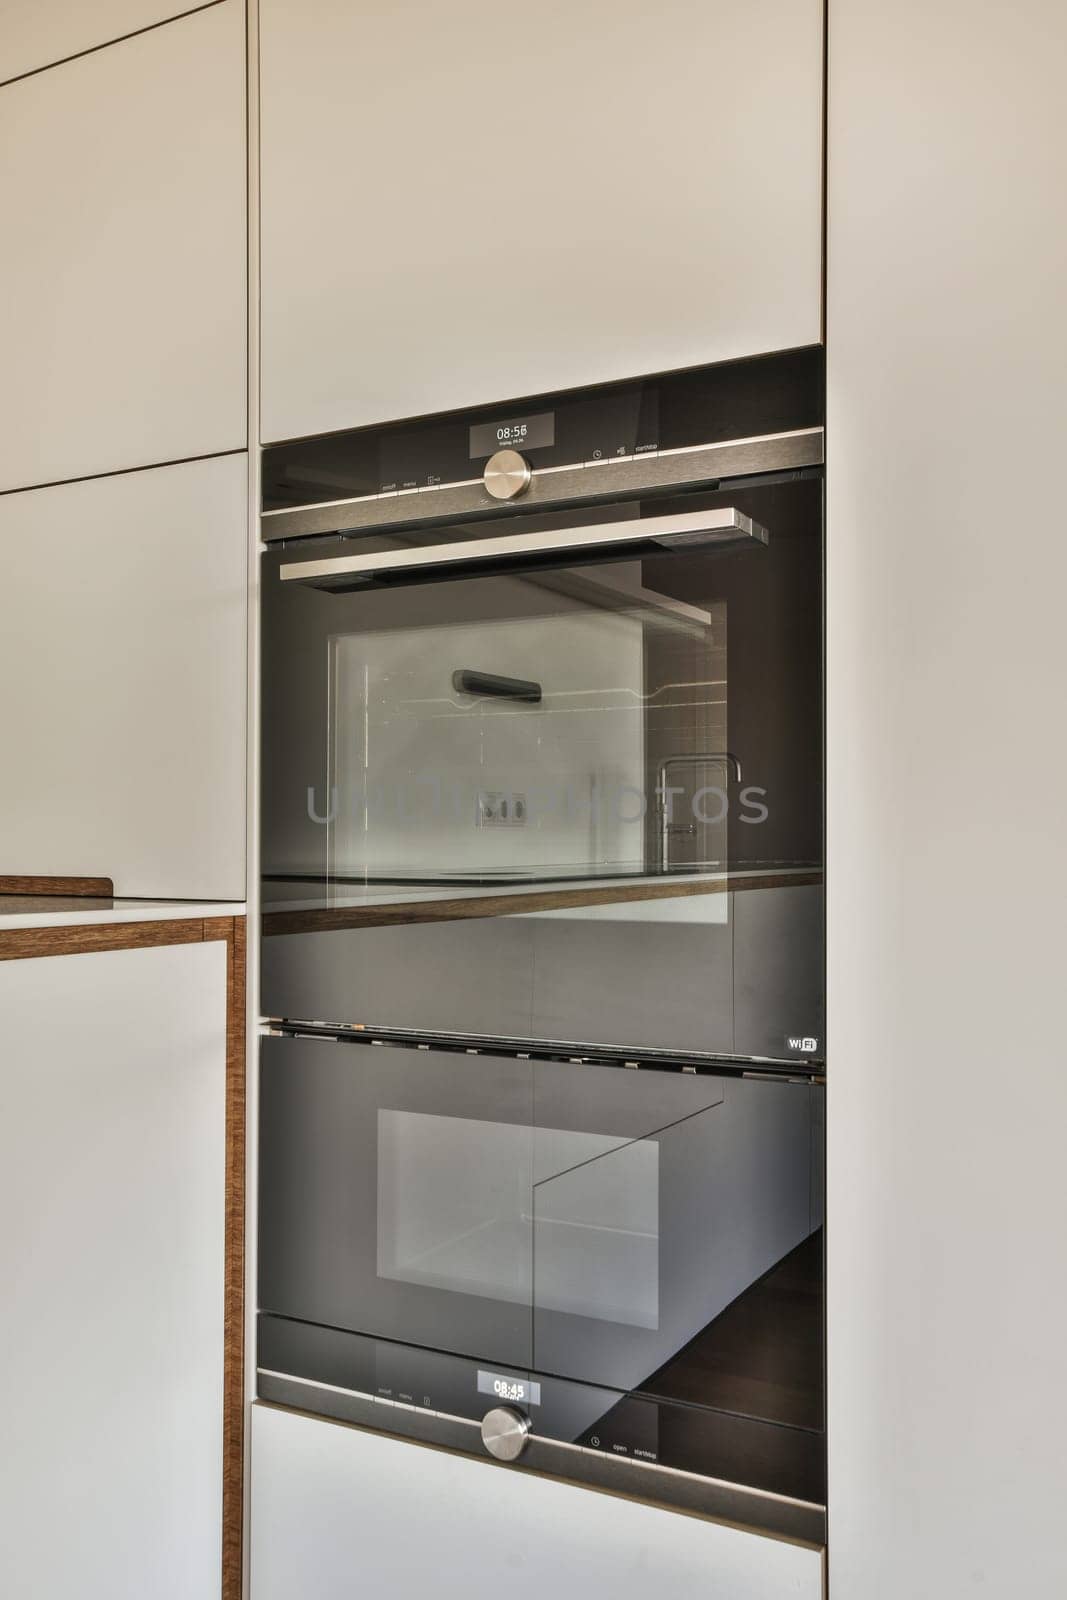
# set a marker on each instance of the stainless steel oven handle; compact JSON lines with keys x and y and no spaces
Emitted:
{"x":721,"y":525}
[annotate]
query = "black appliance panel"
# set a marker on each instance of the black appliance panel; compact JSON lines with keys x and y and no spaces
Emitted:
{"x":732,"y":400}
{"x":636,"y":1428}
{"x":588,"y":1221}
{"x":542,"y":883}
{"x":582,"y":804}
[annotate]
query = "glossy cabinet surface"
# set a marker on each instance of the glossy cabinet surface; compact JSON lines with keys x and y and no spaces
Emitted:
{"x":123,"y":323}
{"x":457,"y":209}
{"x":337,"y":1513}
{"x":123,"y":680}
{"x":112,"y":1162}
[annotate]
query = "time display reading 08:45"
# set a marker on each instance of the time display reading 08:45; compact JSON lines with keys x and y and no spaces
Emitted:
{"x":520,"y":1391}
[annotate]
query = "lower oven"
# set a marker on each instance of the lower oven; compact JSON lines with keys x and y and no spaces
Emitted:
{"x":614,"y":1263}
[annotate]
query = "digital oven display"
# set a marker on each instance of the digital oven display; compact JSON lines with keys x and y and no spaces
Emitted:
{"x":516,"y":1391}
{"x":513,"y":433}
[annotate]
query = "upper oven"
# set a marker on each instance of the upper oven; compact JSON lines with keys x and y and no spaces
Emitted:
{"x":542,"y":723}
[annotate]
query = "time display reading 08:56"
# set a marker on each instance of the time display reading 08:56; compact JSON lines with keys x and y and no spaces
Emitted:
{"x":517,"y":1391}
{"x":513,"y":433}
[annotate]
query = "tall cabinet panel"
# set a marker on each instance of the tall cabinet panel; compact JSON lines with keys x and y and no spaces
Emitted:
{"x":459,"y":205}
{"x":34,"y":35}
{"x":947,"y":569}
{"x":112,"y":1177}
{"x":334,"y":1510}
{"x":122,"y":680}
{"x":122,"y":188}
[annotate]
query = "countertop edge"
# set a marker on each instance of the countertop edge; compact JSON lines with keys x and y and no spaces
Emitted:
{"x":73,"y":913}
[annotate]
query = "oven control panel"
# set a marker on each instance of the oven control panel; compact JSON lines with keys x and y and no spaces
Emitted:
{"x":442,"y":1385}
{"x":448,"y":451}
{"x":641,"y":1444}
{"x":612,"y":423}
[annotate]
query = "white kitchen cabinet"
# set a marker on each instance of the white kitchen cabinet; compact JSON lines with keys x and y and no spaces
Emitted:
{"x":339,"y":1513}
{"x":112,"y":1164}
{"x":459,"y":207}
{"x":123,"y":319}
{"x":123,"y":680}
{"x":35,"y":35}
{"x":947,"y":767}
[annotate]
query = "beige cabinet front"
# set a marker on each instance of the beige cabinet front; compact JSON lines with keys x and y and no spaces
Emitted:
{"x":461,"y":204}
{"x":122,"y":189}
{"x":338,"y":1513}
{"x":33,"y":35}
{"x":123,"y":680}
{"x":112,"y":1167}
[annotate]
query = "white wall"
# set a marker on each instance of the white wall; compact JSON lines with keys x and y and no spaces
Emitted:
{"x":947,"y":774}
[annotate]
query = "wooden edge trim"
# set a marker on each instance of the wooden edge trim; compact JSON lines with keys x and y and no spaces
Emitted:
{"x":19,"y":943}
{"x":233,"y":1419}
{"x":405,"y":912}
{"x":93,"y":888}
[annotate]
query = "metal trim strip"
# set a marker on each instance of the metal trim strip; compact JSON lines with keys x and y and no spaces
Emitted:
{"x":784,"y":1069}
{"x":688,"y":528}
{"x":688,"y":466}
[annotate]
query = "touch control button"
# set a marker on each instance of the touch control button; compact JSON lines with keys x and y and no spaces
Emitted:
{"x":507,"y":474}
{"x":505,"y":1433}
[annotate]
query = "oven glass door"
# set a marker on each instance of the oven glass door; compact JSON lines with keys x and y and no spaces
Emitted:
{"x":644,"y":1231}
{"x":578,"y":802}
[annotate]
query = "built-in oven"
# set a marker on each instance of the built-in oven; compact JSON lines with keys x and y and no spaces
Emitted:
{"x":542,"y":934}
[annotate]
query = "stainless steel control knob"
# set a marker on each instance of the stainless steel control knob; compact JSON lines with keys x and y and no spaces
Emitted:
{"x":507,"y":474}
{"x":505,"y":1433}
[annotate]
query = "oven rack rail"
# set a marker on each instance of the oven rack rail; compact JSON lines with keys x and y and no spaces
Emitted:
{"x":791,"y":1071}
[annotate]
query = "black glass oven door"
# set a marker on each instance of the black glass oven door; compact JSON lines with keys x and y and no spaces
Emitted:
{"x":395,"y":1191}
{"x":587,"y":1222}
{"x":648,"y":1254}
{"x":579,"y":803}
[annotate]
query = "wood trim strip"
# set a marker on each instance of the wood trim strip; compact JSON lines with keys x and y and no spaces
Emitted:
{"x":332,"y":918}
{"x":233,"y":1421}
{"x":76,"y":888}
{"x":22,"y":943}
